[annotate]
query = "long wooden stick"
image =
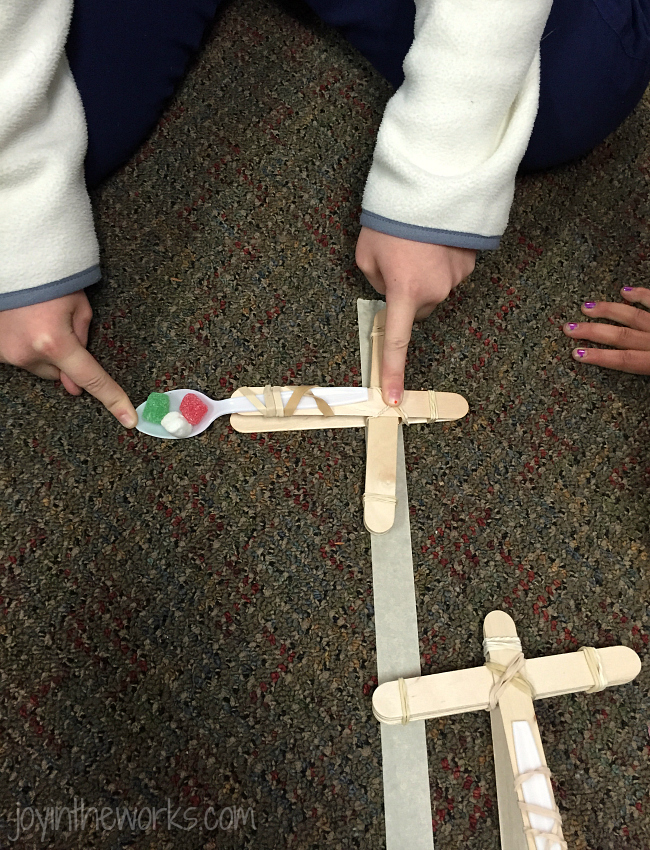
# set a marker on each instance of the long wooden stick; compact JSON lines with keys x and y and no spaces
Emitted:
{"x":460,"y":691}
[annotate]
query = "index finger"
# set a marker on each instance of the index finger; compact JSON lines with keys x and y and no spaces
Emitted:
{"x":85,"y":371}
{"x":400,"y":314}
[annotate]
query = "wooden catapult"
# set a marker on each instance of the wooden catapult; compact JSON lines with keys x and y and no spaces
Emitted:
{"x":506,"y":686}
{"x":507,"y":683}
{"x":380,"y":420}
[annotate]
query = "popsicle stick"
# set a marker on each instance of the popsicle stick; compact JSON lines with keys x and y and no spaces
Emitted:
{"x":460,"y":691}
{"x":379,"y":500}
{"x":420,"y":406}
{"x":514,"y":706}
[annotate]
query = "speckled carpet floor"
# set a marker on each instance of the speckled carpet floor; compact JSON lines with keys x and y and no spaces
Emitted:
{"x":188,"y":626}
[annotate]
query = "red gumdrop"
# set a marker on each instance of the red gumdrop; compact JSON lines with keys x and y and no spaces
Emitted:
{"x":193,"y":409}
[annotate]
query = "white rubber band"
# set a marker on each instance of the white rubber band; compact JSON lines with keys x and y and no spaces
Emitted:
{"x":379,"y":497}
{"x":494,"y":644}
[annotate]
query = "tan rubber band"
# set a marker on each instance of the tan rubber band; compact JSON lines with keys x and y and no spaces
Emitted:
{"x":551,"y":837}
{"x":250,"y":395}
{"x":404,"y":700}
{"x":542,"y":811}
{"x":269,"y":401}
{"x":277,"y":402}
{"x":595,"y":668}
{"x":273,"y":406}
{"x":537,"y":771}
{"x":301,"y":392}
{"x":492,"y":644}
{"x":433,"y":404}
{"x":513,"y":675}
{"x":509,"y":675}
{"x":530,"y":808}
{"x":388,"y":407}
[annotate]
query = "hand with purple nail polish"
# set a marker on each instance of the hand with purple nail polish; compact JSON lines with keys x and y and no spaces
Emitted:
{"x":628,"y":339}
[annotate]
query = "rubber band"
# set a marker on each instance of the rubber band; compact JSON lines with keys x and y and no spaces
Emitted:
{"x":388,"y":407}
{"x":433,"y":406}
{"x":551,"y":836}
{"x":278,"y":407}
{"x":404,"y":700}
{"x":269,"y":401}
{"x":250,"y":396}
{"x":509,"y":675}
{"x":595,"y":668}
{"x":273,"y":406}
{"x":536,"y":771}
{"x":494,"y":644}
{"x":380,"y":497}
{"x":512,"y":674}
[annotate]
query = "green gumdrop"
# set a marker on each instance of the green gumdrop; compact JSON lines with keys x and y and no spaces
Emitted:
{"x":156,"y":407}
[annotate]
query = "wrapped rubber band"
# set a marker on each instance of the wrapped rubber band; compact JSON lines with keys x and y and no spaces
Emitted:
{"x":404,"y":700}
{"x":510,"y":675}
{"x":250,"y":395}
{"x":273,"y":407}
{"x":403,"y":414}
{"x":536,"y":771}
{"x":595,"y":668}
{"x":551,"y":837}
{"x":433,"y":406}
{"x":299,"y":393}
{"x":380,"y":497}
{"x":513,"y":674}
{"x":494,"y":644}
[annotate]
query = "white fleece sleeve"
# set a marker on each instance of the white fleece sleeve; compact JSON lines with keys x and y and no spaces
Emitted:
{"x":454,"y":133}
{"x":48,"y":246}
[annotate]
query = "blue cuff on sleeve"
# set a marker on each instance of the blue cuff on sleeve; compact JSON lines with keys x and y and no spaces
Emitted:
{"x":416,"y":233}
{"x":49,"y":291}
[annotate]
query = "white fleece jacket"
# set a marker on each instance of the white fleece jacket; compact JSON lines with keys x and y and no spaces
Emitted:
{"x":454,"y":133}
{"x":48,"y":246}
{"x":443,"y":170}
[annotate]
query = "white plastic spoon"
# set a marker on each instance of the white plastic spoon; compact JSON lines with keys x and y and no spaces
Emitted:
{"x":332,"y":395}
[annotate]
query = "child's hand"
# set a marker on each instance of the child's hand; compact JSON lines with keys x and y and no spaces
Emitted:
{"x":629,"y":338}
{"x":49,"y":339}
{"x":415,"y":277}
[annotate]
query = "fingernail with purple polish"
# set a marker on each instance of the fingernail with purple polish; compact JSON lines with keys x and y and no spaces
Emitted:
{"x":579,"y":352}
{"x":572,"y":326}
{"x":627,"y":289}
{"x":589,"y":305}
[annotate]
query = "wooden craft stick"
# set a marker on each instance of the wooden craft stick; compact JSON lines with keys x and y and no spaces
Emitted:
{"x":517,"y":824}
{"x":460,"y":691}
{"x":379,"y":500}
{"x":420,"y":406}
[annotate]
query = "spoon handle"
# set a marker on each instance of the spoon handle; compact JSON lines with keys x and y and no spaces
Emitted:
{"x":332,"y":395}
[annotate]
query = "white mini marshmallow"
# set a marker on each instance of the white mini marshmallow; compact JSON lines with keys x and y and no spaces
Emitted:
{"x":176,"y":424}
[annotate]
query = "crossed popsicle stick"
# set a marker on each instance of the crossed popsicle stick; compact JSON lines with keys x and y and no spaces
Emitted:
{"x":381,"y":421}
{"x":506,"y":687}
